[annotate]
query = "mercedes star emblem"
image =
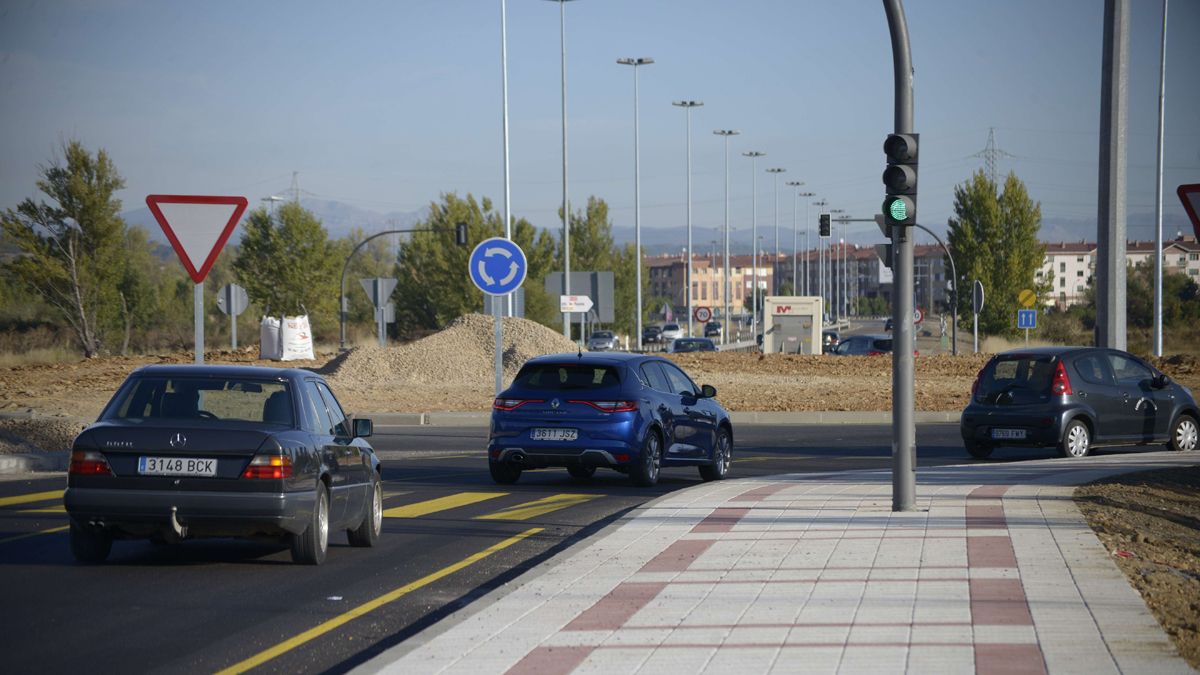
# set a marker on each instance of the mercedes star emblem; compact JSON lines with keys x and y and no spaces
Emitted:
{"x":178,"y":440}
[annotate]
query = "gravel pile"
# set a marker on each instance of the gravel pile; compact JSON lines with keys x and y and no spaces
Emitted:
{"x":31,"y":434}
{"x":462,"y":354}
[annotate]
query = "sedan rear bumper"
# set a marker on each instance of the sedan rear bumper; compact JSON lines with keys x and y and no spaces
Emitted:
{"x":139,"y":513}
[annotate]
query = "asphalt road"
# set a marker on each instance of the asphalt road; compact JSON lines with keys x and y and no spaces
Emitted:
{"x":451,"y":535}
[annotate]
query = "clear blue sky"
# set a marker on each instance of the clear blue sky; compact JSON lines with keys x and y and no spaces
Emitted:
{"x":385,"y":105}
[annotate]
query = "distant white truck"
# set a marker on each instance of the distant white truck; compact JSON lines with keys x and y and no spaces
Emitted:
{"x":792,"y":324}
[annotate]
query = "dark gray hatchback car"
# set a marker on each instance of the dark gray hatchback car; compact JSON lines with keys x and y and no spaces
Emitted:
{"x":1076,"y":398}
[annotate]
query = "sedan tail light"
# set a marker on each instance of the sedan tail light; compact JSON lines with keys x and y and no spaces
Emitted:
{"x":610,"y":406}
{"x":269,"y":466}
{"x":513,"y":403}
{"x":89,"y":463}
{"x":1061,"y":384}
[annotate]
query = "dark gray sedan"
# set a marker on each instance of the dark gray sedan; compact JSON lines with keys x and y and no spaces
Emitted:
{"x":1076,"y":398}
{"x":223,"y":451}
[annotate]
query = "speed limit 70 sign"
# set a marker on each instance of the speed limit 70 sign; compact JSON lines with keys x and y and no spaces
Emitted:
{"x":702,"y":313}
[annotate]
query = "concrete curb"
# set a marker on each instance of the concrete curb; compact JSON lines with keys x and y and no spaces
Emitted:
{"x":28,"y":462}
{"x":741,"y":417}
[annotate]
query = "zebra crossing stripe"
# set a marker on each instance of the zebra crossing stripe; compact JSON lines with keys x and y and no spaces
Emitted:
{"x":538,"y":507}
{"x":440,"y":504}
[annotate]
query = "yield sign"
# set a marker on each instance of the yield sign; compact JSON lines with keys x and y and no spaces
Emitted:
{"x":197,"y":226}
{"x":1190,"y":196}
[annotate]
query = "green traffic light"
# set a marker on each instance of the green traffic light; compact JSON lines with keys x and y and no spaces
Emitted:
{"x":898,"y":209}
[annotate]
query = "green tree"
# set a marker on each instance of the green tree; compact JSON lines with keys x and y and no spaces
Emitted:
{"x":994,"y":238}
{"x":433,"y":287}
{"x":288,"y":265}
{"x":71,"y":252}
{"x":593,"y":250}
{"x":376,"y":259}
{"x":1179,"y":297}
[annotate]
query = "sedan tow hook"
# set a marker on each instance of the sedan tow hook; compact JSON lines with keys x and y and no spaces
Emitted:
{"x":178,"y":528}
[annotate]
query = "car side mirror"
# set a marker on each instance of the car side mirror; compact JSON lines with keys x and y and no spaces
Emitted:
{"x":363,"y":428}
{"x":1160,"y":381}
{"x":708,"y":391}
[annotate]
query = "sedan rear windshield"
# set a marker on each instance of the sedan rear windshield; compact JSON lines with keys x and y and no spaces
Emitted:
{"x":563,"y":377}
{"x":1015,"y":379}
{"x":173,"y":398}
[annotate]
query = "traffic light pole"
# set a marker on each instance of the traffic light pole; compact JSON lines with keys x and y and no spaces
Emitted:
{"x":904,"y":432}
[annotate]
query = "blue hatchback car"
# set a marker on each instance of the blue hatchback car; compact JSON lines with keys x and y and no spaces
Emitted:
{"x":630,"y":412}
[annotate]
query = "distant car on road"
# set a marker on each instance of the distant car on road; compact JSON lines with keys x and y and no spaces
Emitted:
{"x":603,"y":340}
{"x":712,"y":329}
{"x":670,"y":331}
{"x":887,"y":325}
{"x":223,"y":451}
{"x":652,"y":334}
{"x":629,"y":412}
{"x":1075,"y":399}
{"x":864,"y":345}
{"x":681,"y":345}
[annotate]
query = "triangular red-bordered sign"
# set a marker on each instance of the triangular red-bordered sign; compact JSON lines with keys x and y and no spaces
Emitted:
{"x":1190,"y":196}
{"x":197,"y":226}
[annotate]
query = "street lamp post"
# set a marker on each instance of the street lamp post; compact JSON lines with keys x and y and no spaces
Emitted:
{"x":566,"y":205}
{"x":796,"y":235}
{"x":637,"y":199}
{"x":687,"y":106}
{"x":754,"y":155}
{"x":726,"y":133}
{"x":775,"y":264}
{"x":834,"y":272}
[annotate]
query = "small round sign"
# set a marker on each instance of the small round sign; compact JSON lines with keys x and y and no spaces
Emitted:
{"x":1027,"y":298}
{"x":918,"y":315}
{"x":702,"y":313}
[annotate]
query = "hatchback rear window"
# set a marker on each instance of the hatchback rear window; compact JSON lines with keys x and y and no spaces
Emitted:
{"x":567,"y":376}
{"x":1019,"y":378}
{"x":882,"y":345}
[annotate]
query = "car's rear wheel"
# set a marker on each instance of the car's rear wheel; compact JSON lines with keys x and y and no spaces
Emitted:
{"x":89,"y":544}
{"x":581,"y":472}
{"x":1185,"y":436}
{"x":367,"y":532}
{"x":1076,"y":440}
{"x":644,"y":472}
{"x":979,"y":450}
{"x":309,"y":547}
{"x":722,"y":458}
{"x":503,"y":472}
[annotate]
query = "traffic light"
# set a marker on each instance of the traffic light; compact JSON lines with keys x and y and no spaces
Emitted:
{"x":460,"y":234}
{"x":900,"y":179}
{"x":823,"y":224}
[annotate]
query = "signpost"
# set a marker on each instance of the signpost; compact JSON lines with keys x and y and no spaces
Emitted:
{"x":379,"y":290}
{"x":702,"y":314}
{"x":1027,"y":319}
{"x":232,"y":300}
{"x":571,"y":304}
{"x":1027,"y":298}
{"x":1190,"y":196}
{"x":497,"y":267}
{"x":918,"y":316}
{"x":197,"y":227}
{"x":976,"y":308}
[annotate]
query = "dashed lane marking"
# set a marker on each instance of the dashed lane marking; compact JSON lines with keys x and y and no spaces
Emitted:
{"x":539,"y":507}
{"x":440,"y":504}
{"x":31,"y":498}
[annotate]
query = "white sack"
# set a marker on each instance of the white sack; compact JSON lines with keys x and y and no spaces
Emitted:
{"x":296,"y":339}
{"x":268,"y":341}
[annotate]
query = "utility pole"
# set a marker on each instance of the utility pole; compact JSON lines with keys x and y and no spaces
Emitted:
{"x":754,"y":155}
{"x":1111,"y":240}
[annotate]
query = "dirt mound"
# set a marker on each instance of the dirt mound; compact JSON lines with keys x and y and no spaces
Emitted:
{"x":30,"y":434}
{"x":462,"y":354}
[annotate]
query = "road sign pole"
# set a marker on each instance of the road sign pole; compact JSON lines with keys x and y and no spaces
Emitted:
{"x":198,"y":304}
{"x":1026,"y":337}
{"x":496,"y":301}
{"x":975,"y":330}
{"x":379,"y":313}
{"x":233,"y":332}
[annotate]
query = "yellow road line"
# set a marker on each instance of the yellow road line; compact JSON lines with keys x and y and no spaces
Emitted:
{"x":34,"y":534}
{"x":440,"y":504}
{"x":370,"y":606}
{"x":48,"y":509}
{"x":31,"y":498}
{"x":538,"y":508}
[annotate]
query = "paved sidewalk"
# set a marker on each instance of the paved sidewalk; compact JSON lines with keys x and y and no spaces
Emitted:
{"x":996,"y":572}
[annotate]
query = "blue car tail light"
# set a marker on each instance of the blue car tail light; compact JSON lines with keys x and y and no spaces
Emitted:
{"x":609,"y":406}
{"x":513,"y":403}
